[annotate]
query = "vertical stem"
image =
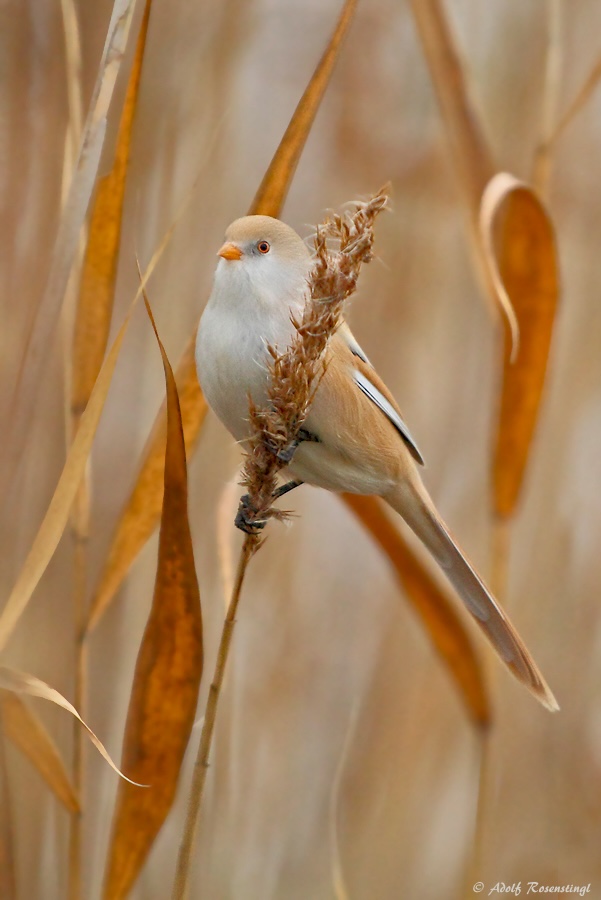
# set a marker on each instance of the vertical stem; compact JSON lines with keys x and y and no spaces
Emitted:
{"x":473,"y":871}
{"x":182,"y":874}
{"x":541,"y":169}
{"x":501,"y":541}
{"x":338,"y":880}
{"x":80,"y":525}
{"x":471,"y":152}
{"x":79,"y":522}
{"x":8,"y":890}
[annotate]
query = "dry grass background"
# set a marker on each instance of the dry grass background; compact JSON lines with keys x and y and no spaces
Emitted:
{"x":334,"y":698}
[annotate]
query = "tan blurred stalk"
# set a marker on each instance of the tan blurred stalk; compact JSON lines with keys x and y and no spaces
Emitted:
{"x":91,"y":330}
{"x":181,"y":884}
{"x":7,"y":854}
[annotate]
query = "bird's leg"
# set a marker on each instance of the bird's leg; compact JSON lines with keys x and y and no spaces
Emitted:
{"x":285,"y":488}
{"x":286,"y":453}
{"x":245,"y":520}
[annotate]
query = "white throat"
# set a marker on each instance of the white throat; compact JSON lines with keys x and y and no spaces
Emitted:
{"x":249,"y":308}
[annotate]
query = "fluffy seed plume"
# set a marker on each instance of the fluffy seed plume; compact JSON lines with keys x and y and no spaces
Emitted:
{"x":295,"y":373}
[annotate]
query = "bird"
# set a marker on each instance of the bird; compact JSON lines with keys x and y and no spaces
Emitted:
{"x":355,"y":437}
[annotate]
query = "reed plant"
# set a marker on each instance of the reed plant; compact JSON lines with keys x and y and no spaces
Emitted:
{"x":365,"y":745}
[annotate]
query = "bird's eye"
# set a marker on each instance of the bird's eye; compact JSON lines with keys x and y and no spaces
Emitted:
{"x":263,"y":247}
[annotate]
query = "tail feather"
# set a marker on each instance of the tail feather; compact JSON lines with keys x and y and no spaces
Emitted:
{"x":412,"y":502}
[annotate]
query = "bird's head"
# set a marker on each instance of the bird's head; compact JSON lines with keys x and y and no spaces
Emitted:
{"x":265,"y":258}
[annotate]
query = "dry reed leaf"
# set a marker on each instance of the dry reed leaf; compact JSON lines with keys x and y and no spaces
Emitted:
{"x":39,"y":343}
{"x":140,"y":515}
{"x":521,"y":253}
{"x":167,"y":676}
{"x":448,"y":634}
{"x":73,"y":66}
{"x":471,"y":152}
{"x":278,"y":177}
{"x":97,"y":286}
{"x":8,"y":889}
{"x":26,"y":732}
{"x":23,"y":683}
{"x":57,"y":515}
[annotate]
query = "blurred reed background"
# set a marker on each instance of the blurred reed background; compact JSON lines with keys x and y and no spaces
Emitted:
{"x":344,"y":763}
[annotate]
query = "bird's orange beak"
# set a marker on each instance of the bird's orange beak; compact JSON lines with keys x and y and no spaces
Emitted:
{"x":230,"y":251}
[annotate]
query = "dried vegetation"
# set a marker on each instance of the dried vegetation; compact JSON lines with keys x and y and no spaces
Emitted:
{"x":143,"y":130}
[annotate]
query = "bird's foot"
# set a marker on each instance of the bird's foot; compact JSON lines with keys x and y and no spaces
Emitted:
{"x":245,"y":517}
{"x":286,"y":453}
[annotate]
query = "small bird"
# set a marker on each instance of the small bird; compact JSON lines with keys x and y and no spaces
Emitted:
{"x":355,"y":438}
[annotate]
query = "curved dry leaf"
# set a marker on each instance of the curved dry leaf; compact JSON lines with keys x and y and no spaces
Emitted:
{"x":140,"y":515}
{"x":22,"y":683}
{"x":27,"y":732}
{"x":39,"y":343}
{"x":449,"y":636}
{"x":167,"y":676}
{"x":97,"y":285}
{"x":57,"y":515}
{"x":492,"y":199}
{"x":523,"y":259}
{"x":278,"y":177}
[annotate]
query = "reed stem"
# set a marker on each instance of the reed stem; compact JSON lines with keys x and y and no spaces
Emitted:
{"x":182,"y":873}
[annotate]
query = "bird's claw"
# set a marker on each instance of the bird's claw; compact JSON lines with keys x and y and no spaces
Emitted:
{"x":286,"y":453}
{"x":244,"y":517}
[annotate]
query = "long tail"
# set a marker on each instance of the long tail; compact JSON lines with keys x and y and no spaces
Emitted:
{"x":413,"y":503}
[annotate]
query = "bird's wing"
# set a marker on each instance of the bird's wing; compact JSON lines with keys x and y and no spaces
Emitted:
{"x":369,"y":382}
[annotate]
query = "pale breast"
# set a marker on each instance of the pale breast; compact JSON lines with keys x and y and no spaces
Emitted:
{"x":232,"y":359}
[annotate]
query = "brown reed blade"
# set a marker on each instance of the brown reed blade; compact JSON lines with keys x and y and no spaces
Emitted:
{"x":23,"y":683}
{"x":278,"y":177}
{"x":39,"y":339}
{"x":91,"y":332}
{"x":448,"y":635}
{"x":26,"y":731}
{"x":167,"y":675}
{"x":142,"y":509}
{"x":524,"y":264}
{"x":97,"y":286}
